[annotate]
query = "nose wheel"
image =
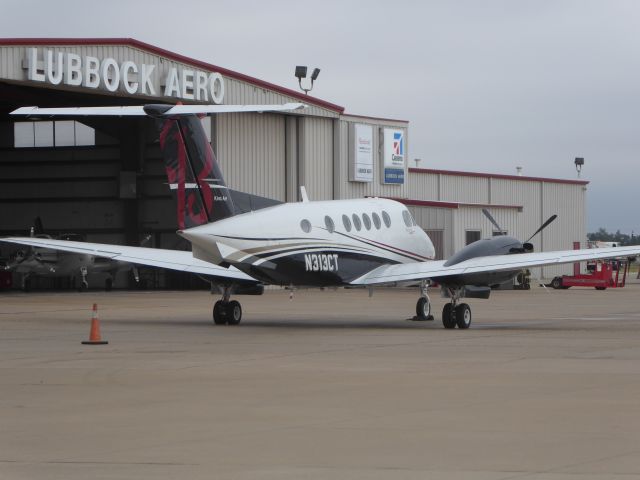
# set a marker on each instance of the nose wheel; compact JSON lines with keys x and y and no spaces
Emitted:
{"x":423,"y":307}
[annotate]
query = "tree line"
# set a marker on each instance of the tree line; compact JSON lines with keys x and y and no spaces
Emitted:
{"x":603,"y":235}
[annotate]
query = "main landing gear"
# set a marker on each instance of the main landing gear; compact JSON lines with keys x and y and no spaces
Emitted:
{"x":225,"y":311}
{"x":456,"y":314}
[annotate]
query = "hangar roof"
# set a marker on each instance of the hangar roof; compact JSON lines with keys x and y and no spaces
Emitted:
{"x":496,"y":175}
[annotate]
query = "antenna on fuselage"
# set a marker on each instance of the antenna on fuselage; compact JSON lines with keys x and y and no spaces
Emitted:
{"x":303,"y":194}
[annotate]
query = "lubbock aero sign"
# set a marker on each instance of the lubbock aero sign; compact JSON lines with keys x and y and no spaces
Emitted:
{"x":90,"y":72}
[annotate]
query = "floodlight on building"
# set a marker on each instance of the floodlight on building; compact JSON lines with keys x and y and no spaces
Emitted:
{"x":579,"y":163}
{"x":301,"y":72}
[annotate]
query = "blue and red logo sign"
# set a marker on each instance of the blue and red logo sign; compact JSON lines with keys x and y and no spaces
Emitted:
{"x":398,"y":143}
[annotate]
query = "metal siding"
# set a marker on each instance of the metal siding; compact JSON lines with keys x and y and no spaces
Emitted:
{"x":251,"y":151}
{"x":316,"y":157}
{"x":423,"y":186}
{"x":429,"y":218}
{"x":567,"y":201}
{"x":464,"y":189}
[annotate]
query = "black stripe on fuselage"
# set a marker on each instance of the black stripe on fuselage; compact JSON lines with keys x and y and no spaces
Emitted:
{"x":411,"y":256}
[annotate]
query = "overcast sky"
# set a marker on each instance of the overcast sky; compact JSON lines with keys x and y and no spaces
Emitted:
{"x":486,"y":85}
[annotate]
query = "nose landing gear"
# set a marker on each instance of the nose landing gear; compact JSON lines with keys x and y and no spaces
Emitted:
{"x":423,"y":307}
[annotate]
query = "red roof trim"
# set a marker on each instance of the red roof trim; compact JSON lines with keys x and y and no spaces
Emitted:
{"x":454,"y":205}
{"x":174,"y":56}
{"x":375,"y":118}
{"x":496,"y":175}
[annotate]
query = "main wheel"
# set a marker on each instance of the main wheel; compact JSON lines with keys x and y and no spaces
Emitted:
{"x":108,"y":284}
{"x":234,"y":312}
{"x":448,"y":319}
{"x":463,"y":315}
{"x":556,"y":283}
{"x":601,"y":288}
{"x":84,"y":286}
{"x":219,"y":313}
{"x":423,"y":309}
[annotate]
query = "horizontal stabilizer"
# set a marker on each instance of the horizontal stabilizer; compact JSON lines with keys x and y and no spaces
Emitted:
{"x":152,"y":110}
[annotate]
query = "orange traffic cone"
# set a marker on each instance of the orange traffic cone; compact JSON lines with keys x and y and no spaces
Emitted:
{"x":94,"y":336}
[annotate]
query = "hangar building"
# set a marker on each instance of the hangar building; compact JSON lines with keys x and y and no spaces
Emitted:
{"x":104,"y":177}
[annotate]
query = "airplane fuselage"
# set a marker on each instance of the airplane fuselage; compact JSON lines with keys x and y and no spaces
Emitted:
{"x":325,"y":243}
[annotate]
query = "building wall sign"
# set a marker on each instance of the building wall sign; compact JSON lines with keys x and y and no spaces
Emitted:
{"x":55,"y":68}
{"x":393,"y":154}
{"x":361,"y":153}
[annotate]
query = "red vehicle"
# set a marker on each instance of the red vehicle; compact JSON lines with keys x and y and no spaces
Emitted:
{"x":603,"y":275}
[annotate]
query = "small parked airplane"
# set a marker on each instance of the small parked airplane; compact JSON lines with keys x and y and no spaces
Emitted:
{"x":242,"y":242}
{"x":45,"y":262}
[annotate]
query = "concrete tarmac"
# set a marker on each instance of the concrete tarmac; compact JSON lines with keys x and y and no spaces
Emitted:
{"x":331,"y":384}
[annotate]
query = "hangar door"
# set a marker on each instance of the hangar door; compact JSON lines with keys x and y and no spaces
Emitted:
{"x":251,"y":151}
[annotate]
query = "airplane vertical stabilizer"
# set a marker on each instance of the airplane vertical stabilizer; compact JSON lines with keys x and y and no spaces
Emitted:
{"x":194,"y":175}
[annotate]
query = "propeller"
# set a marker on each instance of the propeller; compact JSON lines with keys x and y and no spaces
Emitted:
{"x":544,"y":225}
{"x":493,"y":221}
{"x":526,"y":246}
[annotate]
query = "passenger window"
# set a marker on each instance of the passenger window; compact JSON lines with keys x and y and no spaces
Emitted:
{"x":328,"y":222}
{"x":356,"y":222}
{"x":346,"y":222}
{"x":305,"y":225}
{"x":367,"y":221}
{"x":406,"y":216}
{"x":376,"y":220}
{"x":386,"y":219}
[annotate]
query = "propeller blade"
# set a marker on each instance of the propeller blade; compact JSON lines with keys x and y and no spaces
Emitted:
{"x":492,"y":220}
{"x":544,"y":225}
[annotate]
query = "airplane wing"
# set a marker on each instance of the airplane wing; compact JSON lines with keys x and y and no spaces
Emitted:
{"x":154,"y":257}
{"x":415,"y":271}
{"x":139,"y":111}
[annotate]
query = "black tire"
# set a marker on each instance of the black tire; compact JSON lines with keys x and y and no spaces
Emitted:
{"x":26,"y":285}
{"x":448,"y":319}
{"x":556,"y":283}
{"x":601,"y":288}
{"x":84,"y":286}
{"x":463,"y":316}
{"x":234,"y":313}
{"x":219,"y":313}
{"x":108,"y":284}
{"x":423,"y":309}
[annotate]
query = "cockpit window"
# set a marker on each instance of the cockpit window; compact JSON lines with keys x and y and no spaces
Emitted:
{"x":406,"y":216}
{"x":346,"y":222}
{"x":328,"y":222}
{"x":356,"y":222}
{"x":305,"y":225}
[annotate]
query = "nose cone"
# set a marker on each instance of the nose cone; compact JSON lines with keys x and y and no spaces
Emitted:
{"x":430,"y":250}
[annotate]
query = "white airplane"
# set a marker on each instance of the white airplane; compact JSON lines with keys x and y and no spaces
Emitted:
{"x":242,"y":246}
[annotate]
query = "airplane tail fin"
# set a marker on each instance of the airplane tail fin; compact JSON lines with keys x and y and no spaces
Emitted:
{"x":194,"y":175}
